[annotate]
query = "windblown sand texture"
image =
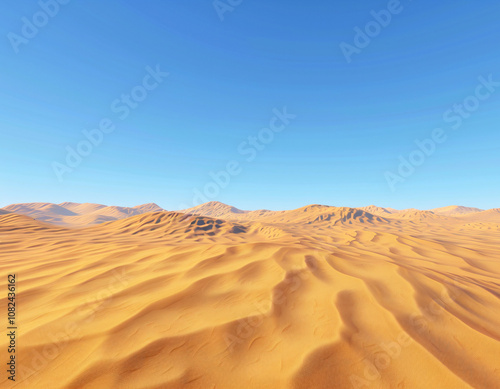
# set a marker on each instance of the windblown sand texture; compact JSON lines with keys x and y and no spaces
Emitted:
{"x":317,"y":297}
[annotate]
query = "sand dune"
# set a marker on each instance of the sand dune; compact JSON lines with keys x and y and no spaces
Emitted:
{"x":323,"y":214}
{"x":455,"y":210}
{"x":380,"y":211}
{"x":213,"y":209}
{"x":415,"y":214}
{"x":78,"y":215}
{"x":40,"y":210}
{"x":308,"y":214}
{"x":491,"y":215}
{"x":150,"y":207}
{"x":317,"y":297}
{"x":81,"y":209}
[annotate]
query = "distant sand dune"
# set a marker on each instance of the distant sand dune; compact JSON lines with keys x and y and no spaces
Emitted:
{"x":491,"y":215}
{"x":317,"y":297}
{"x":78,"y":215}
{"x":373,"y":209}
{"x":455,"y":210}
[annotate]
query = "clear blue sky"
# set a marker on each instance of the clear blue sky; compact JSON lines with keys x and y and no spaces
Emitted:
{"x":225,"y":78}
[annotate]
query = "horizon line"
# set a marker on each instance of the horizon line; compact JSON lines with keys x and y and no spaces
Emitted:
{"x":247,"y":210}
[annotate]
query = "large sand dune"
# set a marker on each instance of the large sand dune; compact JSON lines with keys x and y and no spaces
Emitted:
{"x":317,"y":297}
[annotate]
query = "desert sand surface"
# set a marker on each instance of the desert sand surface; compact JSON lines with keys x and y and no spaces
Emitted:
{"x":216,"y":297}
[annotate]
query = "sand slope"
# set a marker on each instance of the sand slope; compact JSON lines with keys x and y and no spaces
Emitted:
{"x":318,"y":297}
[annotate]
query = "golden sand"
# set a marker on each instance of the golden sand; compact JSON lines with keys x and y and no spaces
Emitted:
{"x":318,"y":297}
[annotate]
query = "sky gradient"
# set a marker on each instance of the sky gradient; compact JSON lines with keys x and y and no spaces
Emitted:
{"x":226,"y":80}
